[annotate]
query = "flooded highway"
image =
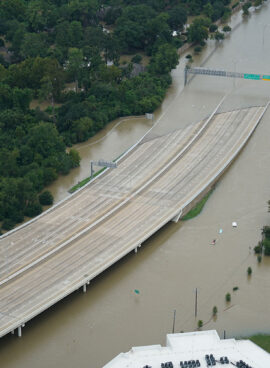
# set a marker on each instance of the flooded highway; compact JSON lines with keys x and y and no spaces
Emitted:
{"x":87,"y":330}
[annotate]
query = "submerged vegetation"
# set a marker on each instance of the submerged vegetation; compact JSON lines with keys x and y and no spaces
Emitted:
{"x":198,"y":208}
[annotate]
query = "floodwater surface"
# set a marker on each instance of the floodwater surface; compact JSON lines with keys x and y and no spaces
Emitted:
{"x":88,"y":330}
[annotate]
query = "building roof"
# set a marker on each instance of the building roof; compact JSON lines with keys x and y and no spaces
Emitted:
{"x":193,"y":346}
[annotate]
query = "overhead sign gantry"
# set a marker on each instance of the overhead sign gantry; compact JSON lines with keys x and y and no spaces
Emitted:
{"x":223,"y":73}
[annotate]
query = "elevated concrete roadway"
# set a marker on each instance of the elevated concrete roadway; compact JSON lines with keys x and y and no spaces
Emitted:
{"x":157,"y":181}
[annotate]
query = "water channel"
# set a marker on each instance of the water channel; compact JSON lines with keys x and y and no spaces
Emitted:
{"x":88,"y":330}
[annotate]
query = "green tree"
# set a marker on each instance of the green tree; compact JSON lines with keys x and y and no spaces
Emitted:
{"x":226,"y":29}
{"x":198,"y":30}
{"x":132,"y":26}
{"x":46,"y":91}
{"x":33,"y":209}
{"x":249,"y":271}
{"x":213,"y":27}
{"x":82,"y":128}
{"x":245,"y":8}
{"x":164,"y":60}
{"x":208,"y":10}
{"x":75,"y":33}
{"x":219,"y":36}
{"x":45,"y":198}
{"x":75,"y":157}
{"x":177,"y":17}
{"x":33,"y":45}
{"x":35,"y":16}
{"x":75,"y":64}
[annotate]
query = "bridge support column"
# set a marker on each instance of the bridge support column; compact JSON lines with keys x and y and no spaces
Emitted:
{"x":84,"y":288}
{"x":20,"y":331}
{"x":177,"y":217}
{"x":12,"y":332}
{"x":136,"y":250}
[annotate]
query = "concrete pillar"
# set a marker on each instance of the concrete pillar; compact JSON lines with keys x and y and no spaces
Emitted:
{"x":177,"y":217}
{"x":84,"y":288}
{"x":12,"y":332}
{"x":20,"y":331}
{"x":136,"y":250}
{"x":88,"y":282}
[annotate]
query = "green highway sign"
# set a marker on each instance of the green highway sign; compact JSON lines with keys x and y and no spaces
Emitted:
{"x":266,"y":77}
{"x":252,"y":76}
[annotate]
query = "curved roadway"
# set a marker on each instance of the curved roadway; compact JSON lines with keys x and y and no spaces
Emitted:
{"x":65,"y":248}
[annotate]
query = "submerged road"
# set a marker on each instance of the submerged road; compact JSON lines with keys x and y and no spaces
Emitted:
{"x":155,"y":182}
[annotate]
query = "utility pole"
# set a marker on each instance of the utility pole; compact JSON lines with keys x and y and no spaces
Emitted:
{"x":174,"y":313}
{"x":196,"y":301}
{"x":186,"y":72}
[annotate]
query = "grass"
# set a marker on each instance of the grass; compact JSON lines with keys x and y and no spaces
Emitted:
{"x":261,"y":340}
{"x":86,"y":180}
{"x":195,"y":211}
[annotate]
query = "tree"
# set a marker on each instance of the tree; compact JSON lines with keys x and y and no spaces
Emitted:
{"x":33,"y":45}
{"x":213,"y":27}
{"x":177,"y":17}
{"x":214,"y":311}
{"x":82,"y":128}
{"x":132,"y":26}
{"x":75,"y":33}
{"x":35,"y":16}
{"x":33,"y":209}
{"x":136,"y":59}
{"x":46,"y":91}
{"x":226,"y":29}
{"x":197,"y":31}
{"x":21,"y":98}
{"x":249,"y":271}
{"x":45,"y":198}
{"x":245,"y":8}
{"x":228,"y":297}
{"x":200,"y":323}
{"x":219,"y":36}
{"x":75,"y":157}
{"x":111,"y":49}
{"x":75,"y":64}
{"x":208,"y":10}
{"x":164,"y":60}
{"x":258,"y":3}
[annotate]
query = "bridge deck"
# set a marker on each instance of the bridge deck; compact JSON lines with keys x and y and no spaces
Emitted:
{"x":99,"y":225}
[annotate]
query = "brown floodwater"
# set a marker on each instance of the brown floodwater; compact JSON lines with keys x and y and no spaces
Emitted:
{"x":88,"y":330}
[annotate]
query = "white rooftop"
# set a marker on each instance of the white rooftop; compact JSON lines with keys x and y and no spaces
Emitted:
{"x":193,"y":346}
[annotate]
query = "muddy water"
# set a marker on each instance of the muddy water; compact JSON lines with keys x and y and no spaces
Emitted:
{"x":87,"y":330}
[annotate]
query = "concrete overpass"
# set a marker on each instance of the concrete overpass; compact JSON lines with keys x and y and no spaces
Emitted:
{"x":156,"y":181}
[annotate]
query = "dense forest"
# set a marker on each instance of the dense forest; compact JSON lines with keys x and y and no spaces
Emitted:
{"x":48,"y":45}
